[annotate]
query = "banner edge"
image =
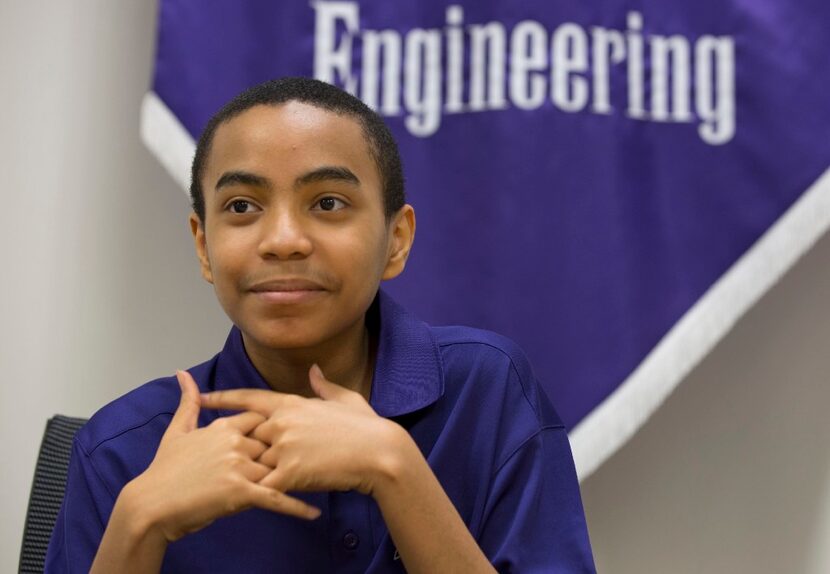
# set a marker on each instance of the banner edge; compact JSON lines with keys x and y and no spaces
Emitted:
{"x":617,"y":418}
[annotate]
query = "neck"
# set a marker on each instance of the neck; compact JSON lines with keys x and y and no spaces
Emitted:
{"x":345,"y":360}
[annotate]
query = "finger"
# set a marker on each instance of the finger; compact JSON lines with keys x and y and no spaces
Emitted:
{"x":272,"y":479}
{"x":266,"y":432}
{"x":256,"y":400}
{"x":255,"y":471}
{"x":186,"y":417}
{"x":252,"y":447}
{"x":242,"y":422}
{"x":276,"y":501}
{"x":329,"y":391}
{"x":278,"y":479}
{"x":269,"y":457}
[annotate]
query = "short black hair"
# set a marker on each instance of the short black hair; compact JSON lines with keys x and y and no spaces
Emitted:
{"x":319,"y":94}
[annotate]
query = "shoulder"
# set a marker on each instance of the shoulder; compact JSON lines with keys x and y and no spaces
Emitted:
{"x":150,"y":405}
{"x":481,"y":343}
{"x":496,"y":365}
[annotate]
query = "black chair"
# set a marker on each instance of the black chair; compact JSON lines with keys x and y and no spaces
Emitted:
{"x":47,"y":490}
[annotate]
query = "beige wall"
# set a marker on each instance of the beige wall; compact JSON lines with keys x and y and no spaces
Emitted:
{"x":100,"y":292}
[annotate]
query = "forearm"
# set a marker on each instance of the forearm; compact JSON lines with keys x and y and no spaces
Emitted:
{"x":130,"y":544}
{"x":427,"y":530}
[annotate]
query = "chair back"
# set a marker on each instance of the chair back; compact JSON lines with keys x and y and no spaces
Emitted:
{"x":47,"y":491}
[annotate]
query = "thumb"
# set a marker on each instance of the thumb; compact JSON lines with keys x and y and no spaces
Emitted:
{"x":187,"y":414}
{"x":327,"y":390}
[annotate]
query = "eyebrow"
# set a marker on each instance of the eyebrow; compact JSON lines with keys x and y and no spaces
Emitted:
{"x":327,"y":173}
{"x":242,"y":178}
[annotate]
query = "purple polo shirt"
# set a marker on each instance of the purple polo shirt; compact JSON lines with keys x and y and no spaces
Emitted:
{"x":468,"y":398}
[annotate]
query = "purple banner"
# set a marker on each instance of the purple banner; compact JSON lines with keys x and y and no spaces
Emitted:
{"x":611,"y":184}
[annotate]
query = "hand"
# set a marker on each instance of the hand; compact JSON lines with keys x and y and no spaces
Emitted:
{"x":334,"y":442}
{"x":201,"y":474}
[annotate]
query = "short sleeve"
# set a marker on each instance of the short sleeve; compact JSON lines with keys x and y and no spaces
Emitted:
{"x":87,"y":505}
{"x":534,"y":521}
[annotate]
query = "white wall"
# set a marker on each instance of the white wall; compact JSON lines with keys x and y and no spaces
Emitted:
{"x":100,"y":292}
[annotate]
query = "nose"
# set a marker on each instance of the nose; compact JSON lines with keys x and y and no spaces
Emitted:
{"x":284,"y":236}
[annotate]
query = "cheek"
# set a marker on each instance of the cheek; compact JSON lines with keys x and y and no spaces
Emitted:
{"x":226,"y":261}
{"x":367,"y":254}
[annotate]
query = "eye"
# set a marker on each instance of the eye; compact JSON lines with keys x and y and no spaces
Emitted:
{"x":240,"y":206}
{"x":329,"y":204}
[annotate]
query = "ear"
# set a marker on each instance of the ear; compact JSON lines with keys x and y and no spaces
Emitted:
{"x":197,"y":228}
{"x":401,"y":236}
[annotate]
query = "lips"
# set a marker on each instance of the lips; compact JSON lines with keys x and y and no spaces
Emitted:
{"x":286,"y":285}
{"x":287,"y":291}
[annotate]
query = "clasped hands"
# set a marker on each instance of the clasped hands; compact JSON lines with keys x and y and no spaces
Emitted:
{"x":279,"y":443}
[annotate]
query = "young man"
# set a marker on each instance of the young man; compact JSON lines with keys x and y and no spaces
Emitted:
{"x":334,"y":432}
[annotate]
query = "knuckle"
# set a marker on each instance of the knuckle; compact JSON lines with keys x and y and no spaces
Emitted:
{"x":289,"y":466}
{"x":287,"y":440}
{"x":220,"y":423}
{"x":275,"y":426}
{"x":236,"y":459}
{"x":233,"y":505}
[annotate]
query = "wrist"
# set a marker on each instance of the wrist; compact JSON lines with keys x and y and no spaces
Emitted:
{"x":396,"y":458}
{"x":130,"y":542}
{"x":138,"y":514}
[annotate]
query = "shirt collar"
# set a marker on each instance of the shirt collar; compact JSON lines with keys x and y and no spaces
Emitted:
{"x":408,"y":374}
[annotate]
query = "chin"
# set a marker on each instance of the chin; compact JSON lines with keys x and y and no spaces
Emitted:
{"x":284,"y":338}
{"x":287,"y":333}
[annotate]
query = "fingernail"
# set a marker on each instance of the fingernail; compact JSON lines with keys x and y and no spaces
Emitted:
{"x":314,"y":513}
{"x":317,"y":370}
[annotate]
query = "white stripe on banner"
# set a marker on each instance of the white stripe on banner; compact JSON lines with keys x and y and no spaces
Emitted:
{"x":619,"y":416}
{"x":171,"y":143}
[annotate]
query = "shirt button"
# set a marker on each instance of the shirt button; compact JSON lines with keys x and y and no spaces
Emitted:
{"x":351,"y":540}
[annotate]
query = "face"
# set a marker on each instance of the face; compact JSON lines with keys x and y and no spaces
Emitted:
{"x":294,"y":240}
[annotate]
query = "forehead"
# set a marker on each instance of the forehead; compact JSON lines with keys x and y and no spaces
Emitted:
{"x":285,"y":140}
